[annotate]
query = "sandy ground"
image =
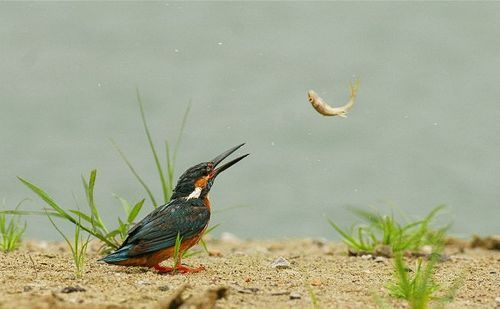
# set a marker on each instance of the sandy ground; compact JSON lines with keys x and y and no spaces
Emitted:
{"x":40,"y":275}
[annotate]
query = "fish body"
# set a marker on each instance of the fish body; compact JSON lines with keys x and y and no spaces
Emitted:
{"x":326,"y":110}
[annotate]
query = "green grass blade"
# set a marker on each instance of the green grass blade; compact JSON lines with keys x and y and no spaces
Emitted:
{"x":210,"y":229}
{"x":181,"y":131}
{"x":82,"y":215}
{"x":70,"y":245}
{"x":153,"y":149}
{"x":177,"y":255}
{"x":190,"y":253}
{"x":76,"y":239}
{"x":314,"y":299}
{"x":89,"y":191}
{"x":434,"y":211}
{"x":127,"y":207}
{"x":30,"y":212}
{"x":204,"y":246}
{"x":47,"y":199}
{"x":361,"y":238}
{"x":134,"y":172}
{"x":369,"y":216}
{"x":135,"y":211}
{"x":11,"y":233}
{"x":170,"y":170}
{"x":347,"y":238}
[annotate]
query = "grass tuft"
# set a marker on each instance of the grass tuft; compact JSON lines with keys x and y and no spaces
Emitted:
{"x":78,"y":248}
{"x":417,"y":287}
{"x":91,"y":222}
{"x":11,"y":231}
{"x":313,"y":297}
{"x":383,"y":230}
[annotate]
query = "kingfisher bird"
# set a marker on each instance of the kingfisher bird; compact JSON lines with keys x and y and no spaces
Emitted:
{"x":186,"y":216}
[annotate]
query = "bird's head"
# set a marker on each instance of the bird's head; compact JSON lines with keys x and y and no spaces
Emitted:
{"x":197,"y":180}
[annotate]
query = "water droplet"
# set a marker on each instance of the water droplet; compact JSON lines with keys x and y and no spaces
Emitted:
{"x":219,"y":43}
{"x":405,"y":117}
{"x":99,"y":85}
{"x":272,"y":144}
{"x":176,"y":50}
{"x":435,"y":123}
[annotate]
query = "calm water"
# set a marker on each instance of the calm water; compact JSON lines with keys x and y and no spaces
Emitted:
{"x":424,"y":131}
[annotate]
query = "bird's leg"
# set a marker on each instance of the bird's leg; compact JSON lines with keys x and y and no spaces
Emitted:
{"x":163,"y":269}
{"x":182,"y":269}
{"x":185,"y":269}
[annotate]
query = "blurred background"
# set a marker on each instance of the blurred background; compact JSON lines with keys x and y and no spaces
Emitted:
{"x":424,"y":130}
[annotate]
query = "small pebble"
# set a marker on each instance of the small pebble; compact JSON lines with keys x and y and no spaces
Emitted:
{"x":383,"y":250}
{"x":316,"y":282}
{"x":248,"y":290}
{"x":164,"y":288}
{"x":320,"y":242}
{"x":214,"y":253}
{"x":280,"y":262}
{"x":427,"y":250}
{"x":142,"y":282}
{"x":380,"y":259}
{"x":73,"y":289}
{"x":366,"y":257}
{"x":497,"y":299}
{"x":295,"y":295}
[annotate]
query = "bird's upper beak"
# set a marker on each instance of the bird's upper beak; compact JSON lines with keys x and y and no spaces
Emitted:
{"x":221,"y":157}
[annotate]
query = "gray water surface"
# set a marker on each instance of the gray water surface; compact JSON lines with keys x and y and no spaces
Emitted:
{"x":424,"y":131}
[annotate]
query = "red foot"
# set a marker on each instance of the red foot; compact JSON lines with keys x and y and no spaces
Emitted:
{"x":179,"y":268}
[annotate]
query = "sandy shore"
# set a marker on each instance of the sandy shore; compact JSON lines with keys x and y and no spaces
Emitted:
{"x":41,"y":275}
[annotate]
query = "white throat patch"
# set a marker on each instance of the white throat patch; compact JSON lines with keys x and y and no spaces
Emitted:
{"x":195,"y":194}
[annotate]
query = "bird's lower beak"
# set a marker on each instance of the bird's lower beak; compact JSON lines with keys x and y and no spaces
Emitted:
{"x":217,"y":160}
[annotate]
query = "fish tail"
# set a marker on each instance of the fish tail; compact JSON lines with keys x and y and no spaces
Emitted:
{"x":354,"y":85}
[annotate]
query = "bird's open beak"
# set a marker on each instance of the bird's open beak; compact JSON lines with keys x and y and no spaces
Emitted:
{"x":221,"y":157}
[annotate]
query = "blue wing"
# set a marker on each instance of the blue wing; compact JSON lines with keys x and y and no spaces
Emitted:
{"x":159,"y":229}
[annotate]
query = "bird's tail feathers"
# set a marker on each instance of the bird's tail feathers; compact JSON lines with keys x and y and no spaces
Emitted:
{"x":117,"y":256}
